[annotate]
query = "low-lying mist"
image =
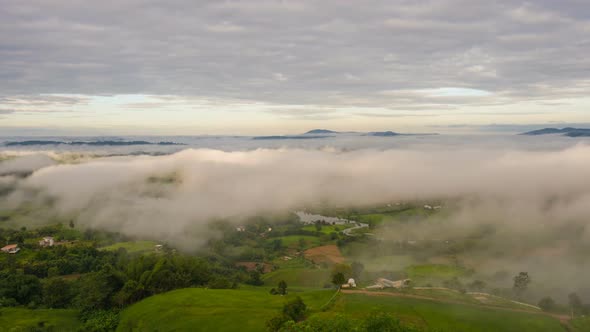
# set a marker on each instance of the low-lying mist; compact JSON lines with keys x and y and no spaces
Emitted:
{"x":538,"y":202}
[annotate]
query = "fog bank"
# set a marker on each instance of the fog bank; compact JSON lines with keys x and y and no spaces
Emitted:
{"x":165,"y":196}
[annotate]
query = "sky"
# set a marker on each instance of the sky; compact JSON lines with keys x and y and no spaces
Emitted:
{"x":283,"y":67}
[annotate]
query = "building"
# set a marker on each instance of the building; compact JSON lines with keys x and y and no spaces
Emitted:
{"x":350,"y":284}
{"x":10,"y":249}
{"x":47,"y":241}
{"x":385,"y":283}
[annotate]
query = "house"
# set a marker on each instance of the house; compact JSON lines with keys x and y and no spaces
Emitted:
{"x":385,"y":283}
{"x":241,"y":229}
{"x":47,"y":241}
{"x":350,"y":284}
{"x":10,"y":249}
{"x":158,"y":247}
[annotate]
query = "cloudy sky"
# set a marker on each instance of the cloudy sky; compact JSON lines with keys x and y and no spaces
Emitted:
{"x":261,"y":66}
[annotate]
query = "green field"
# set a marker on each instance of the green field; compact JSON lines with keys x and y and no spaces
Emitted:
{"x":300,"y":277}
{"x":21,"y":319}
{"x":198,"y":309}
{"x":445,"y":316}
{"x":581,"y":324}
{"x":292,"y":241}
{"x":327,"y":229}
{"x":247,"y":309}
{"x":133,"y":246}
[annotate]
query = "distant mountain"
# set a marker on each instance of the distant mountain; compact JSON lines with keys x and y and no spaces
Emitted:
{"x":568,"y":131}
{"x":382,"y":133}
{"x":288,"y":137}
{"x":321,"y":132}
{"x":93,"y":143}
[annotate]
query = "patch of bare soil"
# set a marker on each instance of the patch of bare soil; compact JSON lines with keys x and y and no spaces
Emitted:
{"x":324,"y":254}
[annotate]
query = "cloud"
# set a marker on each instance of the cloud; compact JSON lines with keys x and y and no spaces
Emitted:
{"x":116,"y":193}
{"x":240,"y":50}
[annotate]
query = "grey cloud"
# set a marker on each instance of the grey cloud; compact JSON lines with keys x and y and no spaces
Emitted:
{"x":228,"y":49}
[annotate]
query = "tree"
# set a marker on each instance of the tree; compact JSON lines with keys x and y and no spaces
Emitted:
{"x":547,"y":304}
{"x":295,"y":309}
{"x":345,"y":269}
{"x":477,"y":285}
{"x":274,"y":324}
{"x":282,"y":287}
{"x":301,"y":243}
{"x":357,"y":269}
{"x":382,"y":322}
{"x":338,"y":279}
{"x":131,"y":292}
{"x":575,"y":303}
{"x":521,"y":282}
{"x":255,"y":278}
{"x":56,"y":293}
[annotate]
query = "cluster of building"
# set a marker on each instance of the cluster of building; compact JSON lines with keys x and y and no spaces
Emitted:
{"x":47,"y":241}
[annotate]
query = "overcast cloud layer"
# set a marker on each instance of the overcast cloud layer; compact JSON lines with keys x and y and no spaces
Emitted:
{"x":292,"y":51}
{"x":398,"y":56}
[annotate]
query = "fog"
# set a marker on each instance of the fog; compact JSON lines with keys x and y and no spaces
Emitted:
{"x":517,"y":187}
{"x":537,"y":200}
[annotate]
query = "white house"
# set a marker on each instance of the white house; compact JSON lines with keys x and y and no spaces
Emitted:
{"x":350,"y":284}
{"x":385,"y":283}
{"x":47,"y":241}
{"x":10,"y":249}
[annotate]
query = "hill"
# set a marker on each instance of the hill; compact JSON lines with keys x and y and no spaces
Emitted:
{"x":383,"y":133}
{"x":198,"y":309}
{"x":22,"y":319}
{"x":568,"y":131}
{"x":320,"y":131}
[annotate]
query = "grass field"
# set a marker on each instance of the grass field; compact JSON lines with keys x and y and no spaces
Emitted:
{"x":22,"y":319}
{"x":198,"y":309}
{"x":327,"y":229}
{"x":445,"y":316}
{"x":292,"y":241}
{"x":247,"y":309}
{"x":581,"y":324}
{"x":300,"y":277}
{"x":133,"y":247}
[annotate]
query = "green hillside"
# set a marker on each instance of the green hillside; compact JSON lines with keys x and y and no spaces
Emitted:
{"x":22,"y":319}
{"x":248,"y":309}
{"x":445,"y":316}
{"x":198,"y":309}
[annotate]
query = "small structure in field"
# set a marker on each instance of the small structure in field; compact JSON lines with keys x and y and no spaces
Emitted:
{"x":240,"y":229}
{"x":350,"y":284}
{"x":385,"y":283}
{"x":10,"y":249}
{"x":158,"y":247}
{"x":47,"y":241}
